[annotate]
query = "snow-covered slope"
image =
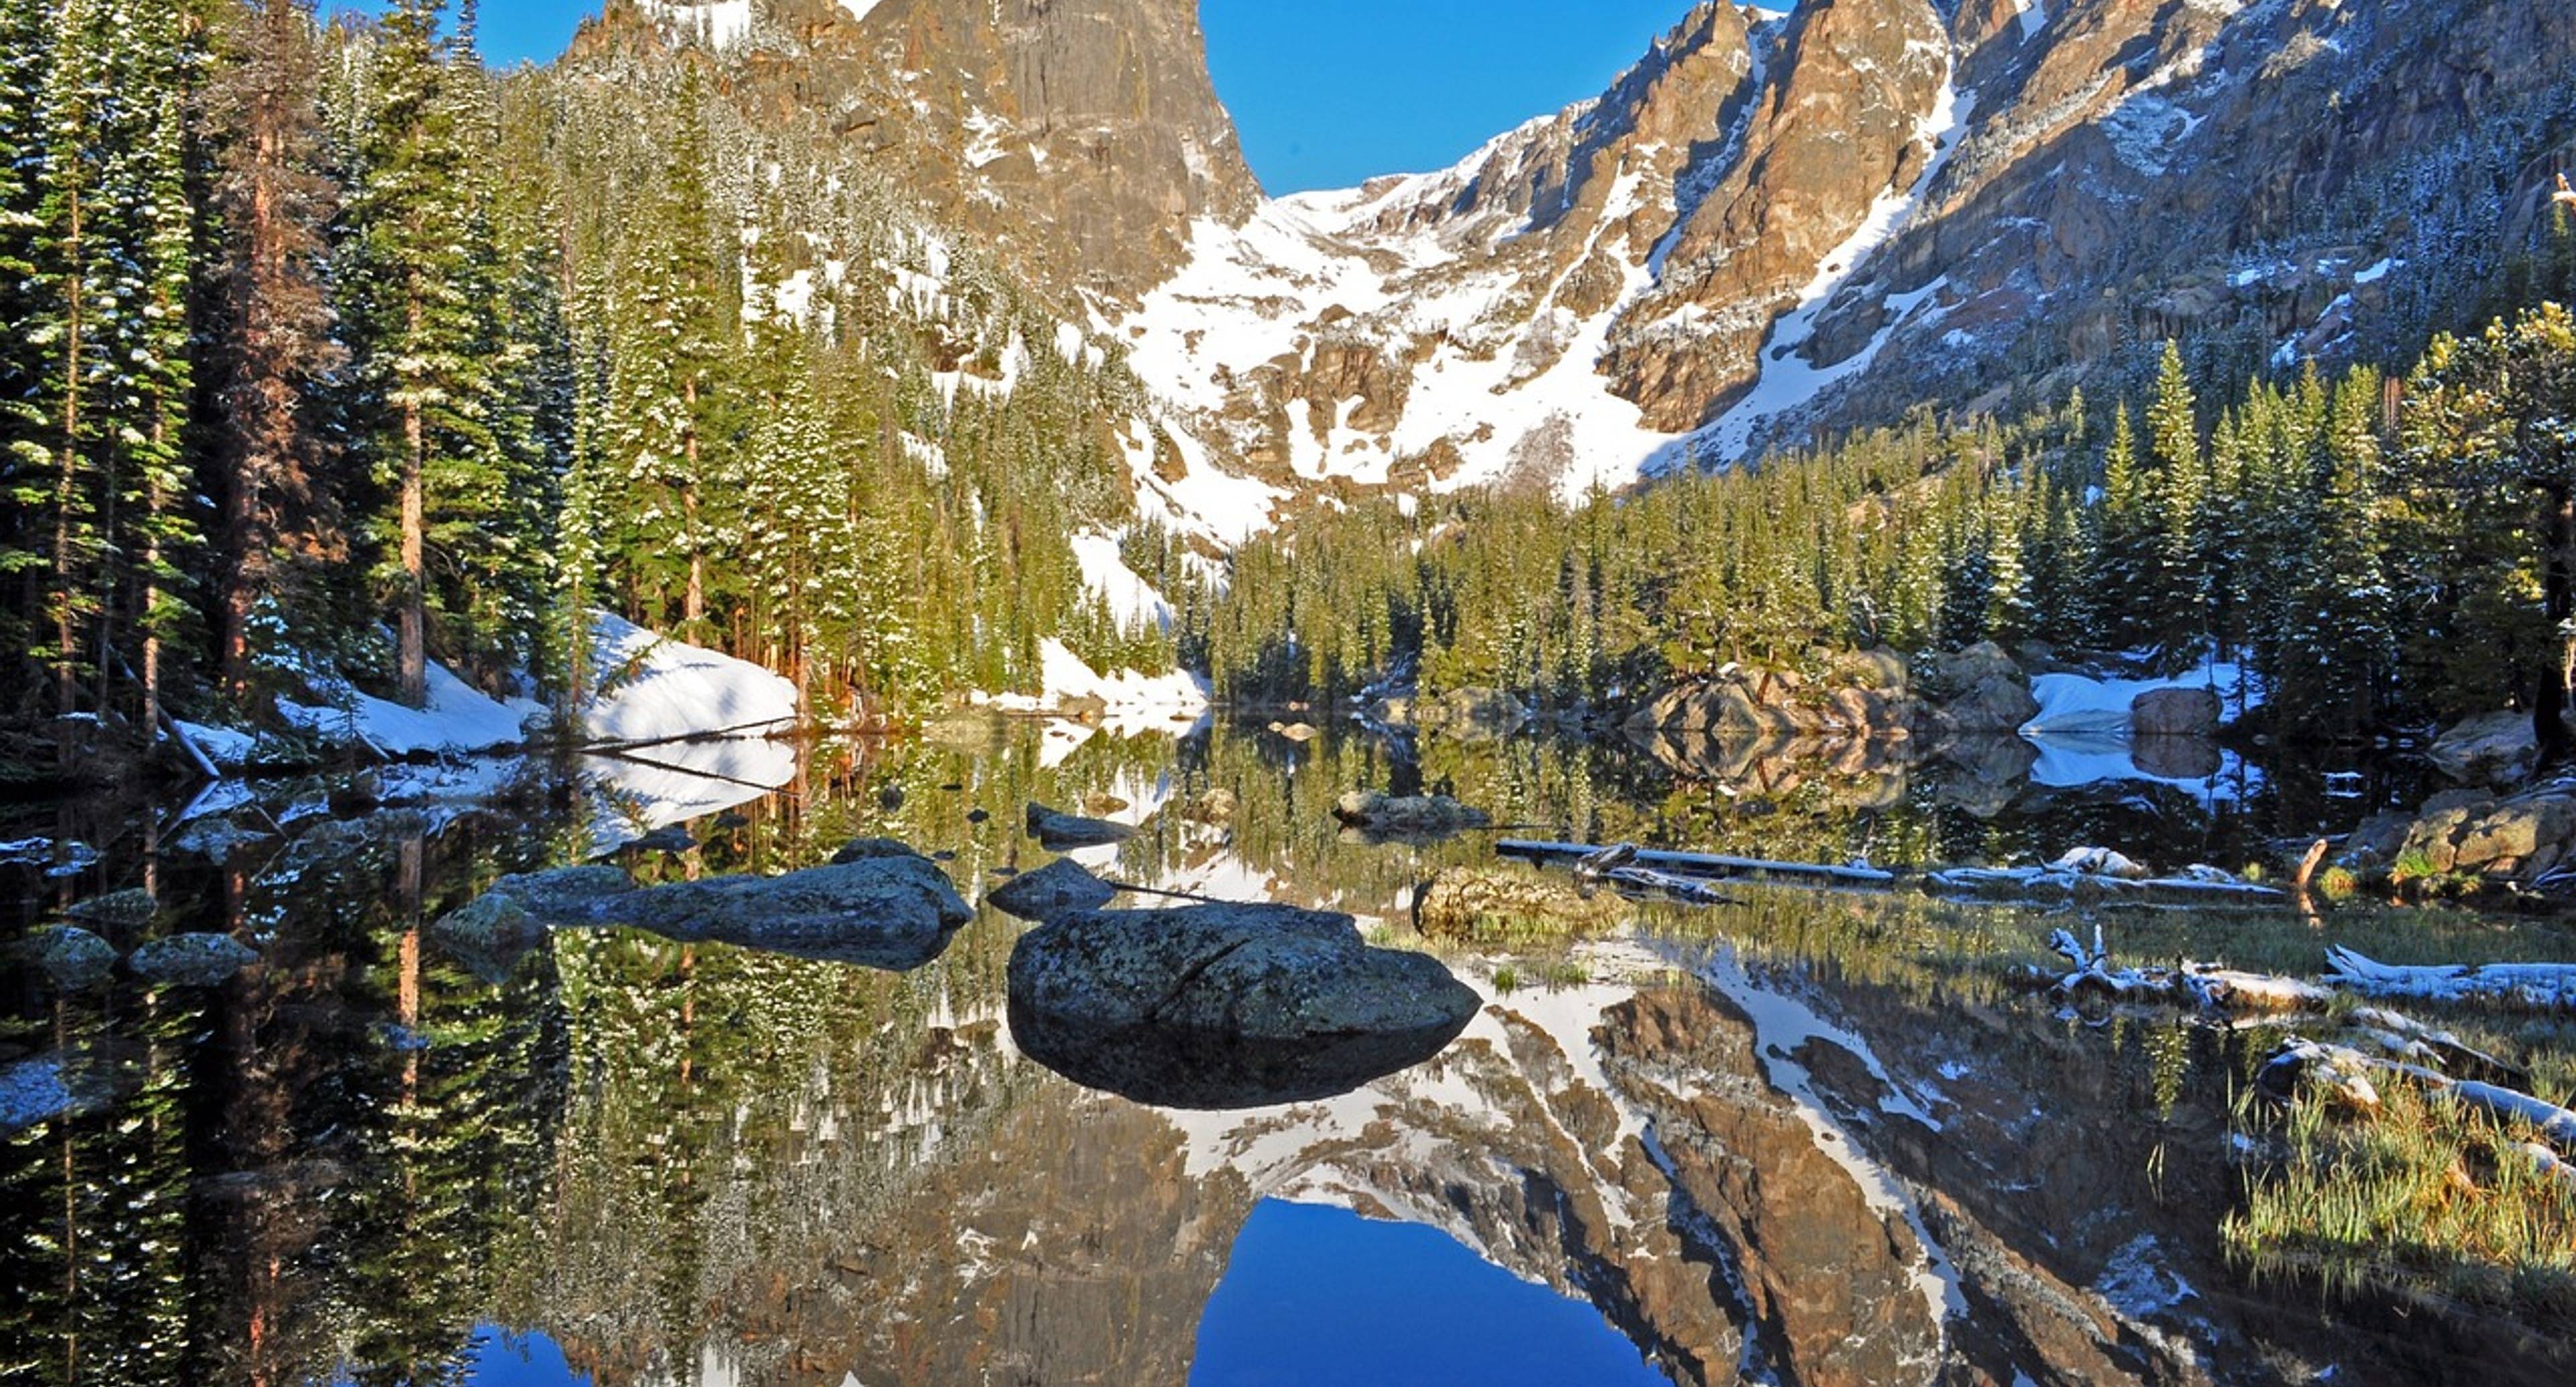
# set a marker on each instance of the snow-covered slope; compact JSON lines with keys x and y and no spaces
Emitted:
{"x":1780,"y":223}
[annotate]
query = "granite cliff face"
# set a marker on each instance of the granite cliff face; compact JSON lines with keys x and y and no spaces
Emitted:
{"x":1771,"y":224}
{"x":1777,"y":222}
{"x":1078,"y":138}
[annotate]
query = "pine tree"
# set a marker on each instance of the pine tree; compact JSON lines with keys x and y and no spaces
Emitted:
{"x":276,"y":345}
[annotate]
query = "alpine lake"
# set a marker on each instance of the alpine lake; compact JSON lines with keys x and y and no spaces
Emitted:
{"x":1801,"y":1136}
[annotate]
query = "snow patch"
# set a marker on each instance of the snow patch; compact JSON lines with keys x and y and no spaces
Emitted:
{"x":1133,"y":602}
{"x":653,"y":689}
{"x":458,"y":719}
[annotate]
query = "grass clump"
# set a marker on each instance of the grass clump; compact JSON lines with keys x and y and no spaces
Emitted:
{"x":2417,"y":1198}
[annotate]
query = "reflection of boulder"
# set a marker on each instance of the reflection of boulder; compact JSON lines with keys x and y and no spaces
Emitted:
{"x":192,"y":960}
{"x":1417,"y":816}
{"x":1869,"y":773}
{"x":1470,"y":711}
{"x":2175,"y":758}
{"x":895,"y":912}
{"x":1985,"y":774}
{"x":1187,"y":1067}
{"x":1058,"y":888}
{"x":1058,"y":832}
{"x":1243,"y":995}
{"x":1508,"y":903}
{"x":73,"y":959}
{"x":2489,"y":749}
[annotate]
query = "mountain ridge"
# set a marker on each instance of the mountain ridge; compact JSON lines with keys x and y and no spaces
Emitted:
{"x":1771,"y":227}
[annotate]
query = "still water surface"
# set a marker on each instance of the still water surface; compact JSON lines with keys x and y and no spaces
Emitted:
{"x":1805,"y":1139}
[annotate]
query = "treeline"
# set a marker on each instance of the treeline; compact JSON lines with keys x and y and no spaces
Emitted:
{"x":334,"y":353}
{"x":2378,"y":550}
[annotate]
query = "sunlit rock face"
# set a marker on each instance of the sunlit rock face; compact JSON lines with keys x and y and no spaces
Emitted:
{"x":1078,"y":137}
{"x":1774,"y":223}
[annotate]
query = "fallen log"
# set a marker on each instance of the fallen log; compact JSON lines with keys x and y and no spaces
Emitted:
{"x":2534,"y":986}
{"x":1702,"y":864}
{"x":2198,"y":986}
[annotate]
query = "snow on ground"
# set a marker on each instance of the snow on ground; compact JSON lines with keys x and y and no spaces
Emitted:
{"x":1133,"y":602}
{"x":1250,"y":294}
{"x":459,"y":719}
{"x":1208,"y":500}
{"x":2073,"y":705}
{"x":226,"y":747}
{"x":1131,"y":699}
{"x":654,"y":689}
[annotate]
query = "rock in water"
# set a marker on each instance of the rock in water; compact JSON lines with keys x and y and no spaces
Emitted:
{"x":1059,"y":888}
{"x":891,"y":912}
{"x":75,"y":960}
{"x":117,"y":910}
{"x":1418,"y":816}
{"x":192,"y":960}
{"x":1227,"y":1006}
{"x":1057,"y":831}
{"x":2176,"y":713}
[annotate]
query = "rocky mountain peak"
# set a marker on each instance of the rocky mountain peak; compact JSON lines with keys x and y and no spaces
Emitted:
{"x":1773,"y":224}
{"x":1079,"y":138}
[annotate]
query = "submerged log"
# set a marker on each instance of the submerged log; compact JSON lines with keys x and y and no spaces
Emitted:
{"x":1702,"y":864}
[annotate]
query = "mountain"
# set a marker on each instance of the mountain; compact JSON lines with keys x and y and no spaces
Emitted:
{"x":1775,"y":222}
{"x":1079,"y":138}
{"x":1772,"y":224}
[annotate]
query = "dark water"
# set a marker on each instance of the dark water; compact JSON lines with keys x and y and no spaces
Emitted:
{"x":1806,"y":1139}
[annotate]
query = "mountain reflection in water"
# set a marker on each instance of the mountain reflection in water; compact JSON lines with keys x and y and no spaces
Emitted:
{"x":1746,"y":1141}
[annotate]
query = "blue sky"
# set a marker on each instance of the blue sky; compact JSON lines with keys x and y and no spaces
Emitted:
{"x":1329,"y":93}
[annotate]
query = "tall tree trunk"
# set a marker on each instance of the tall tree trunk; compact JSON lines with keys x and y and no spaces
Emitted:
{"x":413,"y":633}
{"x":694,"y":608}
{"x":67,"y":494}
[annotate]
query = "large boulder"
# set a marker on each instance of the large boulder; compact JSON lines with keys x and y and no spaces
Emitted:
{"x":2517,"y":839}
{"x":1979,"y":690}
{"x":1059,"y":832}
{"x":191,"y":960}
{"x":1508,"y":904}
{"x":1416,"y":816}
{"x":1226,"y":1006}
{"x":2176,"y":713}
{"x":1058,"y":888}
{"x":895,"y":912}
{"x":2489,"y":749}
